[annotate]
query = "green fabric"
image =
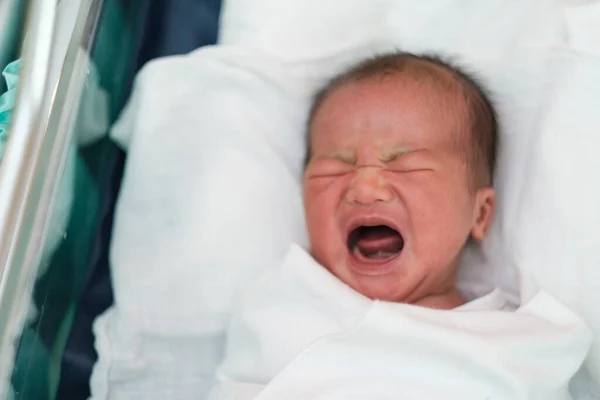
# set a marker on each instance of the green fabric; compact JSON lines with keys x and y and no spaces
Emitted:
{"x":7,"y":101}
{"x":32,"y":365}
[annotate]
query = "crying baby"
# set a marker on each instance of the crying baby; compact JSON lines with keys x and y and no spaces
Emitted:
{"x":398,"y":177}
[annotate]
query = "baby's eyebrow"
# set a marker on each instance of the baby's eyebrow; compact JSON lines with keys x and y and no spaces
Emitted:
{"x":397,"y":152}
{"x":346,"y":156}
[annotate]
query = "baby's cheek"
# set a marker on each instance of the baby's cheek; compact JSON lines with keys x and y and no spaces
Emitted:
{"x":321,"y":202}
{"x":317,"y":195}
{"x":446,"y":230}
{"x":434,"y":214}
{"x":324,"y":190}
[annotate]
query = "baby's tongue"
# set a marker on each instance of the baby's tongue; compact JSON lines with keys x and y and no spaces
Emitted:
{"x":379,"y":241}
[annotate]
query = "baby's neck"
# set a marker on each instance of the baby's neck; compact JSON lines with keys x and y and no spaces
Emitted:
{"x":442,"y":301}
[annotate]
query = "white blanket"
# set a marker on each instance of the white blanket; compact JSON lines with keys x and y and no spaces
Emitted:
{"x":302,"y":334}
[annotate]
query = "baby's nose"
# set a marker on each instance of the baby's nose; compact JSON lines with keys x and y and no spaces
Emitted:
{"x":368,"y":187}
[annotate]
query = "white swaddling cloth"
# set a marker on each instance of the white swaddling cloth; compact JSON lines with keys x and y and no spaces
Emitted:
{"x":302,"y":334}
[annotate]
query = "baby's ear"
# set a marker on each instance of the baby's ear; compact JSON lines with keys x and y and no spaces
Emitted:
{"x":485,"y":206}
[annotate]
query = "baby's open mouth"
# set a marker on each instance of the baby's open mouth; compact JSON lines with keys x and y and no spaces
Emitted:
{"x":377,"y":243}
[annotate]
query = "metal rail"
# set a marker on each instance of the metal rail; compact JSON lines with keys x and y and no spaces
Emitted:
{"x":41,"y":135}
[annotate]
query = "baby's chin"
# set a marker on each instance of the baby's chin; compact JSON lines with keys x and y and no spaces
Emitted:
{"x":389,"y":287}
{"x":397,"y":288}
{"x":379,"y":291}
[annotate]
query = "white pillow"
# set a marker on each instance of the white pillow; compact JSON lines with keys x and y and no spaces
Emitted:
{"x":209,"y":200}
{"x":216,"y":142}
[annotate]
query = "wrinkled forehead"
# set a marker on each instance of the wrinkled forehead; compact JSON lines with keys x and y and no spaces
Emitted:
{"x":409,"y":108}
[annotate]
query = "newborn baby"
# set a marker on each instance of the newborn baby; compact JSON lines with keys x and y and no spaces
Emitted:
{"x":398,"y":177}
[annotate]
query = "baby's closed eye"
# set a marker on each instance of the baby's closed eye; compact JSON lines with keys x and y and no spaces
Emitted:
{"x":329,"y":168}
{"x":404,"y":165}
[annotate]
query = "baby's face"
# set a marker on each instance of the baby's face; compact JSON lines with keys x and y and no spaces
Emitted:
{"x":386,"y":191}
